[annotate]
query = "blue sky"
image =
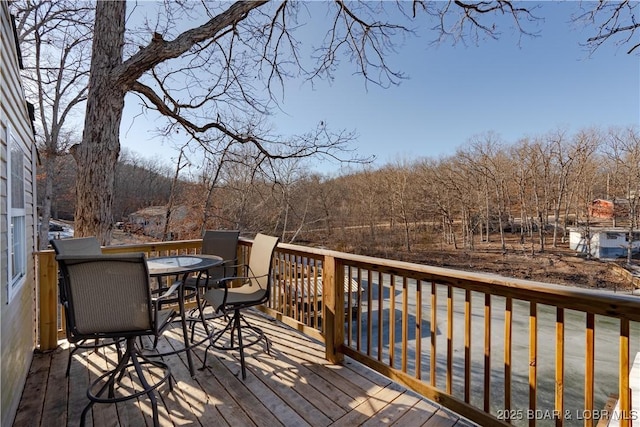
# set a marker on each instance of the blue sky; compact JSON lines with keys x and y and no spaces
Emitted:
{"x":515,"y":86}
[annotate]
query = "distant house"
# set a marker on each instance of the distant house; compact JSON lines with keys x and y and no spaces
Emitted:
{"x":601,"y":208}
{"x":609,"y":209}
{"x":150,"y":221}
{"x":17,"y":223}
{"x":604,"y":242}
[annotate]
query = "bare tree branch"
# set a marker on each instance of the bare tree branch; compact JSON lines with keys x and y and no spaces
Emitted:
{"x":614,"y":21}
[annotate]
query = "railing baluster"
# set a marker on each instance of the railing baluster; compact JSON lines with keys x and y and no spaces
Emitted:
{"x":297,"y":289}
{"x":508,"y":339}
{"x":589,"y":368}
{"x":311,"y":294}
{"x":392,"y":320}
{"x":359,"y":316}
{"x":369,"y":311}
{"x":305,"y":287}
{"x":288,"y":286}
{"x":559,"y":388}
{"x":467,"y":346}
{"x":405,"y":323}
{"x":317,"y":301}
{"x":533,"y":359}
{"x":433,"y":331}
{"x":381,"y":319}
{"x":350,"y":308}
{"x":418,"y":353}
{"x":449,"y":372}
{"x":487,"y":352}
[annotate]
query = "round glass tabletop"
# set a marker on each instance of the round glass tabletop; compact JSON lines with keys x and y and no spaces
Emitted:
{"x":177,"y":264}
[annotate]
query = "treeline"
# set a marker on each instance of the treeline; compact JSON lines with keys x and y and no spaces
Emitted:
{"x":140,"y":183}
{"x":535,"y":187}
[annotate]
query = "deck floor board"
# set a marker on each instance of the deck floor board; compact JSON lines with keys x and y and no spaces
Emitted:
{"x":292,"y":386}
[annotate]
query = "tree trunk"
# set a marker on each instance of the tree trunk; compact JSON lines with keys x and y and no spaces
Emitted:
{"x":633,"y":223}
{"x":167,"y":235}
{"x":97,"y":155}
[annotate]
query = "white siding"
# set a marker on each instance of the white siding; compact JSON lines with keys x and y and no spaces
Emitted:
{"x":604,"y":243}
{"x":18,"y":315}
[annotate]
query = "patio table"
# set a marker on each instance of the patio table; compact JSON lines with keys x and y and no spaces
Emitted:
{"x":182,"y":266}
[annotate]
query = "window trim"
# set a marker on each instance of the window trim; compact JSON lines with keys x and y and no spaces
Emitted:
{"x":15,"y":282}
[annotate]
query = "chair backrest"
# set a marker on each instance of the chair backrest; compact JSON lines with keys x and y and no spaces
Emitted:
{"x":74,"y":246}
{"x":223,"y":243}
{"x":77,"y":246}
{"x":108,"y":295}
{"x":261,"y":261}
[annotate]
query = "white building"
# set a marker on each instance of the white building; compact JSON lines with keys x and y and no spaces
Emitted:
{"x":604,"y":242}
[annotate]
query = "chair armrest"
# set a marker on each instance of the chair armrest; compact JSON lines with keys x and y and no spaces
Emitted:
{"x":225,"y":264}
{"x":169,"y":291}
{"x":159,"y":300}
{"x":224,"y":280}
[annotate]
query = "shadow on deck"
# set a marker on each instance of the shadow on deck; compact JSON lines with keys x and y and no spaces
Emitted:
{"x":293,"y":386}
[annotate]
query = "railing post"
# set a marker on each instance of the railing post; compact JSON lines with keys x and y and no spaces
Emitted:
{"x":333,"y":296}
{"x":48,"y":300}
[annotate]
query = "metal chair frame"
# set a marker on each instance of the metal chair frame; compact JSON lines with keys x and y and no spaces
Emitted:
{"x":95,"y":285}
{"x":255,"y":290}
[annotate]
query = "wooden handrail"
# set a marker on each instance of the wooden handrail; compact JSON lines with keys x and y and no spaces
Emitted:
{"x":502,"y":299}
{"x":407,"y":321}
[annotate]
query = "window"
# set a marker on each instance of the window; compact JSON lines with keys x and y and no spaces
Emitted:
{"x":17,"y":219}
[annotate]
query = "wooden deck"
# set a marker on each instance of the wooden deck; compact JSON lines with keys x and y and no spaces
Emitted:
{"x":293,"y":386}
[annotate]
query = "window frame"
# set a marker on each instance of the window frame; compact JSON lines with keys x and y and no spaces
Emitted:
{"x":16,"y":216}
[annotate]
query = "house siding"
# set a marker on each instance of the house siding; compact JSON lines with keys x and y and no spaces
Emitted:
{"x":18,"y":321}
{"x":606,"y":243}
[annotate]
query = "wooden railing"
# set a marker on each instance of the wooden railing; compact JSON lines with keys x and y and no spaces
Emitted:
{"x":496,"y":350}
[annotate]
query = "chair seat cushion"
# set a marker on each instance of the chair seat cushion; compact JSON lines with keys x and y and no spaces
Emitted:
{"x":236,"y":297}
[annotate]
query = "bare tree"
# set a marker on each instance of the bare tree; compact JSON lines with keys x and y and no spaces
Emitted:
{"x":366,"y":205}
{"x":584,"y":145}
{"x":289,"y":174}
{"x":523,"y":177}
{"x":484,"y":157}
{"x":172,"y":197}
{"x":217,"y":82}
{"x":248,"y":48}
{"x":56,"y":71}
{"x":327,"y":193}
{"x":445,"y":193}
{"x":623,"y":147}
{"x":210,"y":178}
{"x":63,"y":204}
{"x":399,"y":179}
{"x":140,"y":182}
